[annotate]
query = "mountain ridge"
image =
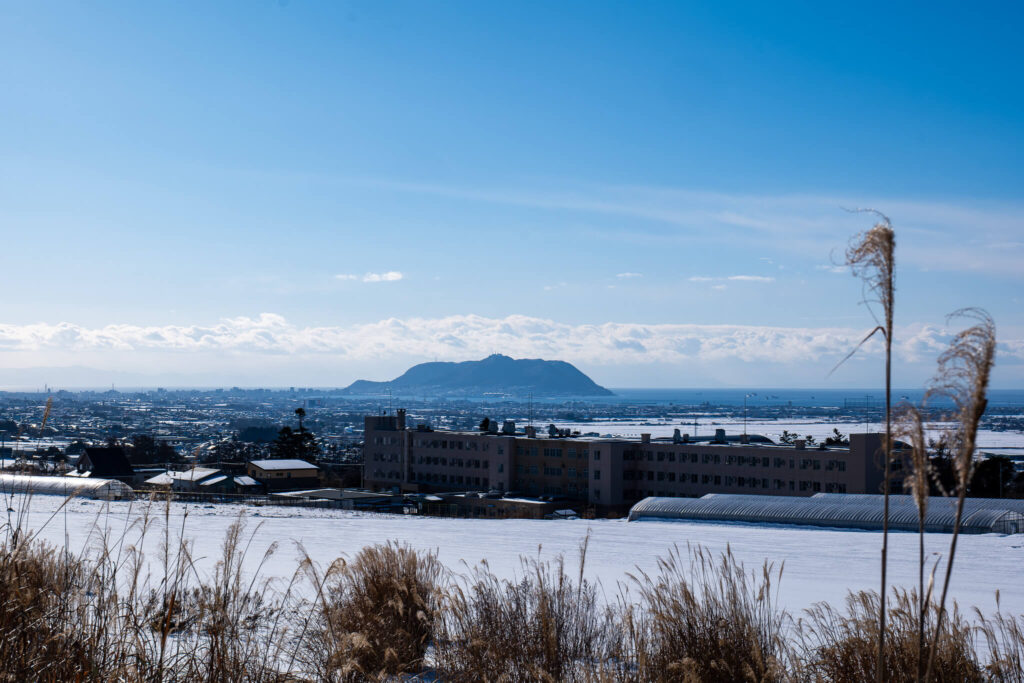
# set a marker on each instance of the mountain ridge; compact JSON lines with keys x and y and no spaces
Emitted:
{"x":495,"y":374}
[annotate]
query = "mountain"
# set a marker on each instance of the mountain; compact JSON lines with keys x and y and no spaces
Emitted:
{"x":494,"y":374}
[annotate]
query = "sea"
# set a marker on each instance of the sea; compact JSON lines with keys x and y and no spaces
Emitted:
{"x":798,"y":398}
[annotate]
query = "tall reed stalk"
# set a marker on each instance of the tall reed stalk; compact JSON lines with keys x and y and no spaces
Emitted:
{"x":911,"y":428}
{"x":872,"y":259}
{"x":963,"y":375}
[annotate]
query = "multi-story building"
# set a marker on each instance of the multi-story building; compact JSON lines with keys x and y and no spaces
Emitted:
{"x":610,"y":473}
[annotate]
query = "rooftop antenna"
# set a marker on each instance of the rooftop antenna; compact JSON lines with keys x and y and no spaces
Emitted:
{"x":531,"y":408}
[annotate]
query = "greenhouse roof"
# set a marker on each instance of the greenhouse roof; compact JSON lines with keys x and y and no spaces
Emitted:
{"x":836,"y":511}
{"x":65,"y":486}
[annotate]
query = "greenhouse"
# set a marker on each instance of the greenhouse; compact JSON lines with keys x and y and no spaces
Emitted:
{"x":836,"y":511}
{"x":103,"y":489}
{"x":1015,"y":504}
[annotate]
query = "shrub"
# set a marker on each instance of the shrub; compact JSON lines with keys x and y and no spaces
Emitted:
{"x":544,"y":626}
{"x":843,"y":647}
{"x":374,"y":616}
{"x":705,"y":619}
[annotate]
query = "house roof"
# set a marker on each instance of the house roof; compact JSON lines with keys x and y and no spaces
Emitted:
{"x":213,"y":480}
{"x":108,"y":461}
{"x":246,"y":481}
{"x":194,"y":474}
{"x":162,"y":479}
{"x":284,"y":464}
{"x":336,"y":494}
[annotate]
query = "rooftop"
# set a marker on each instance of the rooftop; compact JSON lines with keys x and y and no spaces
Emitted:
{"x":286,"y":464}
{"x":194,"y":474}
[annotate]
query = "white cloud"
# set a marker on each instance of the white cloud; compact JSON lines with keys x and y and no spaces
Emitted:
{"x":833,"y":269}
{"x":629,"y":275}
{"x":734,"y":278}
{"x":750,"y":278}
{"x":390,"y":276}
{"x":467,"y":336}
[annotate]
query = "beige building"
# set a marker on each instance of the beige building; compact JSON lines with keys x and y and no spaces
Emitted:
{"x":610,"y":473}
{"x":278,"y":475}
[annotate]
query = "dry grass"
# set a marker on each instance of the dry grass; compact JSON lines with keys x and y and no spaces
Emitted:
{"x":918,"y":482}
{"x":842,"y":647}
{"x":98,"y":617}
{"x":373,"y":617}
{"x":963,"y":375}
{"x":392,"y":613}
{"x":1004,"y":637}
{"x":872,"y":257}
{"x":705,"y":618}
{"x":545,"y":626}
{"x":38,"y":638}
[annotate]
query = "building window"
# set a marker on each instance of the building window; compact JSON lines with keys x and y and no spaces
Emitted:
{"x":597,"y":474}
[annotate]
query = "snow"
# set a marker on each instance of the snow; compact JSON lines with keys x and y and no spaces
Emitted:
{"x":194,"y":474}
{"x":820,"y":564}
{"x":819,"y":428}
{"x":284,"y":464}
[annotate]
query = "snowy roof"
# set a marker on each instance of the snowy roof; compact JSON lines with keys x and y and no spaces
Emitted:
{"x":335,"y":494}
{"x":162,"y":479}
{"x":287,"y":464}
{"x":213,"y":480}
{"x":246,"y":481}
{"x":194,"y":474}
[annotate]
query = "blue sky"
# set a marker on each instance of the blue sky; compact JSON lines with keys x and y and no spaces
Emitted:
{"x":307,"y":193}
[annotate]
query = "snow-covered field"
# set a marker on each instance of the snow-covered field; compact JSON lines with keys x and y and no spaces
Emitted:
{"x":817,"y":427}
{"x":820,"y":564}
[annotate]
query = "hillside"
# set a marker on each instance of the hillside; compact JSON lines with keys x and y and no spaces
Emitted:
{"x":494,"y":374}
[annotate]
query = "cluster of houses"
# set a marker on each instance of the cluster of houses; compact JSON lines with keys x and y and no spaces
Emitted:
{"x":257,"y":477}
{"x":283,"y":480}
